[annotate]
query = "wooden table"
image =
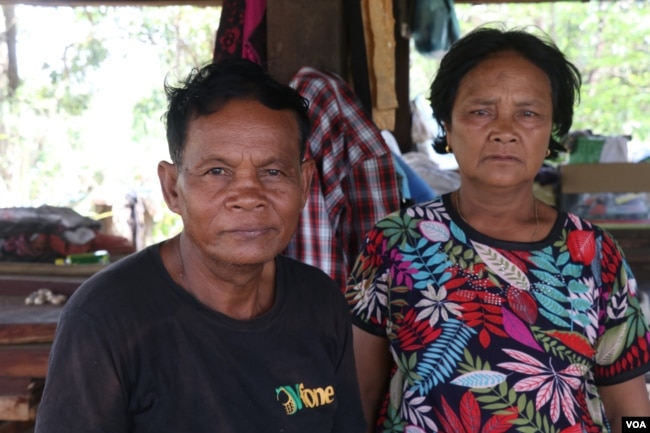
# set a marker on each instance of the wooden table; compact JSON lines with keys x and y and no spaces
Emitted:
{"x":26,"y":335}
{"x":635,"y":242}
{"x":27,"y":331}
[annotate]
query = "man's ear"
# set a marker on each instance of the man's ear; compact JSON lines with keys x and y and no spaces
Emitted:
{"x":168,"y":176}
{"x":307,"y":168}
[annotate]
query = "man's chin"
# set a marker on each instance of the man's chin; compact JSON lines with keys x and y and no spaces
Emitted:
{"x":247,"y":261}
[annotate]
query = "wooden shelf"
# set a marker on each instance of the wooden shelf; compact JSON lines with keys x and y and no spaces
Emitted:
{"x":48,"y":269}
{"x":19,"y":398}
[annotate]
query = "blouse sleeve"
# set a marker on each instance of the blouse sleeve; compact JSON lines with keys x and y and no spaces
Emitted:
{"x":367,"y":289}
{"x":622,"y":349}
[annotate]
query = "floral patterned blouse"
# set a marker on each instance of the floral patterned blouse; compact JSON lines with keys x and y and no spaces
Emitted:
{"x":494,"y":336}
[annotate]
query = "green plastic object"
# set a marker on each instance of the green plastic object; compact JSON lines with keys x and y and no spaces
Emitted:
{"x":95,"y":257}
{"x":587,"y":150}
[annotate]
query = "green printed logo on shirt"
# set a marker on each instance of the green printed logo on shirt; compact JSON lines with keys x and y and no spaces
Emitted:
{"x":297,"y":397}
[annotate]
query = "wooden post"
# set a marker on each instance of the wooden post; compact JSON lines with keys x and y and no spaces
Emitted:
{"x":305,"y":33}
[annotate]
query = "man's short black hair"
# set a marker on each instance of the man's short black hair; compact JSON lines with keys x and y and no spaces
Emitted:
{"x":208,"y":89}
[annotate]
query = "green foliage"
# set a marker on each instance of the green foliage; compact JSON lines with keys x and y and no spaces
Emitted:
{"x":69,"y":83}
{"x":71,"y":141}
{"x":607,"y":41}
{"x":147,"y":114}
{"x":168,"y":225}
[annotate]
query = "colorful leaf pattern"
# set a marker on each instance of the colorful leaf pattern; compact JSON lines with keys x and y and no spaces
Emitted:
{"x":491,"y":336}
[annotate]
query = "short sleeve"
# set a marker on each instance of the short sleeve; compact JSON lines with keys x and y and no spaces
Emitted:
{"x":622,"y":348}
{"x":367,"y":290}
{"x":82,"y":375}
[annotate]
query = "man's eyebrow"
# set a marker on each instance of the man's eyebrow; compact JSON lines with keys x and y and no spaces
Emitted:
{"x":482,"y":101}
{"x":491,"y":101}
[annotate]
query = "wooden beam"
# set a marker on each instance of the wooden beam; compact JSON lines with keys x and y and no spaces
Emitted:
{"x":607,"y":177}
{"x":308,"y":3}
{"x":198,"y":3}
{"x":478,"y":2}
{"x":403,"y":117}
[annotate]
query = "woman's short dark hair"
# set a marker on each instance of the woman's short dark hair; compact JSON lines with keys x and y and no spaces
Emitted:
{"x":208,"y":89}
{"x":483,"y":42}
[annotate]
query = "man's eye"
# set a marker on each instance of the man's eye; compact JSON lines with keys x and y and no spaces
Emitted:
{"x":273,"y":172}
{"x":217,"y":171}
{"x":529,"y":113}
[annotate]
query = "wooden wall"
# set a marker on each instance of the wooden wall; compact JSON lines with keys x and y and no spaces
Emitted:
{"x":315,"y":33}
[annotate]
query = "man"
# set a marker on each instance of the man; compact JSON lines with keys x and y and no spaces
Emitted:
{"x":213,"y":330}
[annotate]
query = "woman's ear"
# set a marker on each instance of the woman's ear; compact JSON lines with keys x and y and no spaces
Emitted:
{"x":168,"y":176}
{"x":447,"y":128}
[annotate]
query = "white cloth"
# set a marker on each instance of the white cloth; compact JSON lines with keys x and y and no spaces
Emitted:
{"x":440,"y":180}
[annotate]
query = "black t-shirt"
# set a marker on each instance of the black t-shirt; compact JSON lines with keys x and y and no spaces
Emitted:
{"x":135,"y":352}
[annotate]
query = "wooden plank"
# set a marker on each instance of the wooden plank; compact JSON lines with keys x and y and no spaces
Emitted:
{"x":26,"y":334}
{"x":17,"y":427}
{"x":19,"y":398}
{"x":23,"y":286}
{"x":49,"y":269}
{"x":24,"y":360}
{"x":605,"y":177}
{"x":21,"y":279}
{"x":20,"y":323}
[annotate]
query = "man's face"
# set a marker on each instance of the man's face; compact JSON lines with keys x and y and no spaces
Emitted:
{"x":241,"y":185}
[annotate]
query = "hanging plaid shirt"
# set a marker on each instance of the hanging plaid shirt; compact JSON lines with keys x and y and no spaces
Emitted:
{"x":355,"y":182}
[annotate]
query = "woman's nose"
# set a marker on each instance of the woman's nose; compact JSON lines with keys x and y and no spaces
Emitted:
{"x":503,"y":131}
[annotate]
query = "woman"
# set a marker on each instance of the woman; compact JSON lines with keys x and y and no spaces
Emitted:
{"x":486,"y":309}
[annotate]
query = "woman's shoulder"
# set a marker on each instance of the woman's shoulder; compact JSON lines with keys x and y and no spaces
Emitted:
{"x":417,"y":210}
{"x":573,"y":222}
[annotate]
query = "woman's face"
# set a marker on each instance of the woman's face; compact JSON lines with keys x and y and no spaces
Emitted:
{"x":501,"y":121}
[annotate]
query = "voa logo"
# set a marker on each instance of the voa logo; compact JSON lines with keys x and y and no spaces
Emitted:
{"x":636,"y":424}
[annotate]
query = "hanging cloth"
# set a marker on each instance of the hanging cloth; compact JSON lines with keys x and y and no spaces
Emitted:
{"x":434,"y":26}
{"x":242,"y":31}
{"x":355,"y":183}
{"x":379,"y":32}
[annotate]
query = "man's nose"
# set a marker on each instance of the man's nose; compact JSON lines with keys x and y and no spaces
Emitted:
{"x":246,"y":192}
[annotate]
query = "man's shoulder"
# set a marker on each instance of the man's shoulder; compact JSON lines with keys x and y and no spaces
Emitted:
{"x":119,"y":281}
{"x":309,"y":283}
{"x":300,"y":270}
